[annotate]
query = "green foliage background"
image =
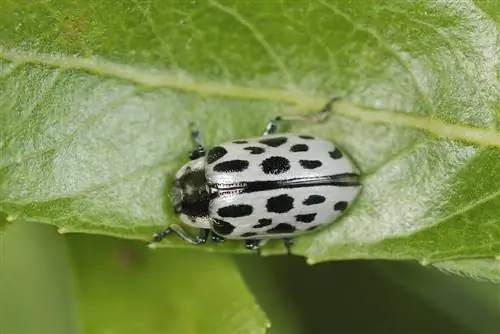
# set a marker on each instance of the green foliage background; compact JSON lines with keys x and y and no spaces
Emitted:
{"x":95,"y":98}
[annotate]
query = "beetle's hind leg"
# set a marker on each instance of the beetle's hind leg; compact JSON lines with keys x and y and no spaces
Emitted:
{"x":288,"y":242}
{"x":199,"y":151}
{"x":201,"y":238}
{"x":316,"y":117}
{"x":253,"y":244}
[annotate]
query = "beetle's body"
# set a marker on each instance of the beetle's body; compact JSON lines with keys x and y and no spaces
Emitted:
{"x":275,"y":186}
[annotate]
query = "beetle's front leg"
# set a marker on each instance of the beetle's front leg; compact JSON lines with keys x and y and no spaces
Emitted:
{"x":199,"y":151}
{"x":198,"y":240}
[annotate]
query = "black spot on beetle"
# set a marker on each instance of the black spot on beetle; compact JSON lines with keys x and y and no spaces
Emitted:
{"x":263,"y":222}
{"x":306,"y":218}
{"x":215,"y":154}
{"x":279,"y":204}
{"x":248,"y":234}
{"x":306,"y":137}
{"x":255,"y":149}
{"x":299,"y":148}
{"x":310,"y":164}
{"x":335,"y":154}
{"x":240,"y":142}
{"x":312,"y":228}
{"x":314,"y":199}
{"x":275,"y":165}
{"x":274,"y":142}
{"x":231,"y":166}
{"x":222,"y":227}
{"x":282,"y":228}
{"x":340,"y":206}
{"x":239,"y":210}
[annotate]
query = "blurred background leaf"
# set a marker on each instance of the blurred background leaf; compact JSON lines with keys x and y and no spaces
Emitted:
{"x":167,"y":291}
{"x":377,"y":297}
{"x":36,"y":282}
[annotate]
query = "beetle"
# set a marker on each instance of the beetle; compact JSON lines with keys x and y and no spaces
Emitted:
{"x":273,"y":186}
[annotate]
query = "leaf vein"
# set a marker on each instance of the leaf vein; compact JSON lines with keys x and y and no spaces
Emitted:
{"x":470,"y":206}
{"x":87,"y":123}
{"x":399,"y":155}
{"x":6,"y":73}
{"x":142,"y":171}
{"x":38,"y":101}
{"x":424,"y":98}
{"x":146,"y":12}
{"x":260,"y":39}
{"x":441,"y":129}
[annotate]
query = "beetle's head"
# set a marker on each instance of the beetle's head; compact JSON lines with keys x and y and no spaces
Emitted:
{"x":189,"y":191}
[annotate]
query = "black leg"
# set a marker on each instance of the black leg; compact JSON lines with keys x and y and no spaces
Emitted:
{"x":199,"y":151}
{"x":198,"y":240}
{"x":202,"y":236}
{"x":217,"y":238}
{"x":271,"y":127}
{"x":253,"y":244}
{"x":288,"y":242}
{"x":317,"y":117}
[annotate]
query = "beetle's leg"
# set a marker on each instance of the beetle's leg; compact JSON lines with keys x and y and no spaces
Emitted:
{"x":316,"y":117}
{"x":202,"y":236}
{"x":198,"y":240}
{"x":288,"y":244}
{"x":217,"y":238}
{"x":253,"y":244}
{"x":199,"y":151}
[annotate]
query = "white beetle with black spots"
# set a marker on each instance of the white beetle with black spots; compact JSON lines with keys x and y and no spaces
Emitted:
{"x":274,"y":186}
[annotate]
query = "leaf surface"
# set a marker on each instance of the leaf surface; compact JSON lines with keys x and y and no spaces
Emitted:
{"x":96,"y":97}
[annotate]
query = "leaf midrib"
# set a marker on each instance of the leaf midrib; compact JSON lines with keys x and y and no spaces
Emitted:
{"x":97,"y":66}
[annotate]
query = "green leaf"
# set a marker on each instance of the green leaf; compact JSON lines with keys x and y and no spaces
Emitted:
{"x":95,"y":99}
{"x":163,"y":291}
{"x":487,"y":270}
